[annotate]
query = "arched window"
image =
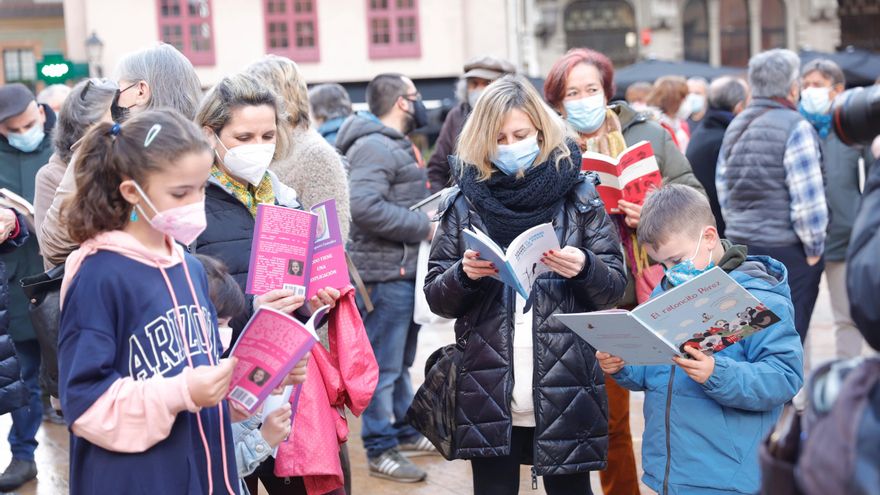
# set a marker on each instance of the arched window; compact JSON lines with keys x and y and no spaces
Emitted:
{"x":735,"y":39}
{"x":773,"y":33}
{"x":608,"y":26}
{"x":696,"y":31}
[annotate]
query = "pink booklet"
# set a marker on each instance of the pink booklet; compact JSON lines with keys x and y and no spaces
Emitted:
{"x":269,"y":347}
{"x":298,"y":250}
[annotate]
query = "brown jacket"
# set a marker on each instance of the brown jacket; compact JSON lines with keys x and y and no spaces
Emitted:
{"x":47,"y":181}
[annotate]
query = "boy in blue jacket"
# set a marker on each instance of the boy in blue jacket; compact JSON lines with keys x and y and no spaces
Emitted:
{"x":706,"y":416}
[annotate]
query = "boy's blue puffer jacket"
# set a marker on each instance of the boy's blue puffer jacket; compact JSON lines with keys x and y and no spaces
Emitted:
{"x":713,"y":431}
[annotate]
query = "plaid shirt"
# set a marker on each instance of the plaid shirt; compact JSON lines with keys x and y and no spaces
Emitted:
{"x":806,"y":185}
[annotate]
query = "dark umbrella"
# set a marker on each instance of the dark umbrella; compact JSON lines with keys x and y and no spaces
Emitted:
{"x":860,"y":67}
{"x":650,"y":70}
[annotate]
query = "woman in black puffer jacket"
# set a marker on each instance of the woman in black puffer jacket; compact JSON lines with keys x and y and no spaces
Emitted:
{"x":529,"y":391}
{"x":13,"y":393}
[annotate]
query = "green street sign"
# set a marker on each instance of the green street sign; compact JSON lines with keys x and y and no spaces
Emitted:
{"x":55,"y":69}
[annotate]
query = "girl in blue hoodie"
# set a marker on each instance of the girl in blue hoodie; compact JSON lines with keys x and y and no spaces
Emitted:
{"x":141,"y":380}
{"x":705,"y":417}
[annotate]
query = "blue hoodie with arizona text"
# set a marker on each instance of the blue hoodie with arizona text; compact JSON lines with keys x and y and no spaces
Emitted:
{"x":119,"y":320}
{"x":704,"y":439}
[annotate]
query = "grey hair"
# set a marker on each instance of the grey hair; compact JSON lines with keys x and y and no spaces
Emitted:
{"x":726,"y":92}
{"x":773,"y":72}
{"x":673,"y":209}
{"x":53,"y":91}
{"x":87,"y":103}
{"x":827,"y":68}
{"x":329,"y":101}
{"x":172,"y":80}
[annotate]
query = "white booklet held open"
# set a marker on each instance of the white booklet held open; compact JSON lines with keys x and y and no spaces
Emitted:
{"x":709,"y":313}
{"x":520,"y":265}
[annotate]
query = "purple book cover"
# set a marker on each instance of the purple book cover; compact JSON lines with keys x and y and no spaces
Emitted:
{"x":329,"y":268}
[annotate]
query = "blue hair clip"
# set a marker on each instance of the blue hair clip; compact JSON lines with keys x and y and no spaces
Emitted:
{"x":114,"y":131}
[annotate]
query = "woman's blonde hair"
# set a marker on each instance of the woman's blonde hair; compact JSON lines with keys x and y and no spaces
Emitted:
{"x":239,"y":90}
{"x":477,"y":143}
{"x":283,"y":76}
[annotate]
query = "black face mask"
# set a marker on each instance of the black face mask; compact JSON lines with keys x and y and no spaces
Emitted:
{"x":117,"y":113}
{"x":418,"y":116}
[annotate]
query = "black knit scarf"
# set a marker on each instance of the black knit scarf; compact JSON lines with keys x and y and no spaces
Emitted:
{"x":509,"y":205}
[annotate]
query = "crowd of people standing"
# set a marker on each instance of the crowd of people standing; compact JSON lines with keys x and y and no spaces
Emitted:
{"x":145,"y":188}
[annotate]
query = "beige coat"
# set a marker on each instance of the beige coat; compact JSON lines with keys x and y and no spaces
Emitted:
{"x":316,"y":172}
{"x":55,"y":244}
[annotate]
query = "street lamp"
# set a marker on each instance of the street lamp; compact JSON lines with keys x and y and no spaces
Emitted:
{"x":94,"y":50}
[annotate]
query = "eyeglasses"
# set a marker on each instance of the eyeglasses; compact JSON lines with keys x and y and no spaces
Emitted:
{"x":412,"y":96}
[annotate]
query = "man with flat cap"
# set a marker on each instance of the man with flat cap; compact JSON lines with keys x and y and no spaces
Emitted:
{"x":478,"y":73}
{"x":25,"y":146}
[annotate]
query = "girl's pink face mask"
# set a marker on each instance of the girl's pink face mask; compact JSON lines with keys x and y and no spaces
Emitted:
{"x":183,"y":223}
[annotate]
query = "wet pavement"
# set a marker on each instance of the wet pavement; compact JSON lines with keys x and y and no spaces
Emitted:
{"x":444,"y":478}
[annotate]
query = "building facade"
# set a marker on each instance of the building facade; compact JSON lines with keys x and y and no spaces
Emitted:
{"x":332,"y":40}
{"x":720,"y":32}
{"x":29,"y":29}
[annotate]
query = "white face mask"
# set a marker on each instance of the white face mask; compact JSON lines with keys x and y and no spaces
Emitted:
{"x":474,"y":95}
{"x":225,"y":332}
{"x":684,"y":111}
{"x":695,"y":102}
{"x":816,"y":100}
{"x":248,"y":161}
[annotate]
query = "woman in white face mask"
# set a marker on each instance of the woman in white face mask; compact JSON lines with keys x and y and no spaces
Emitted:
{"x":580,"y":86}
{"x":670,"y":97}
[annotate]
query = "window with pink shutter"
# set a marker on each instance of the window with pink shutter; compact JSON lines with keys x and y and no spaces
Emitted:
{"x":187,"y":25}
{"x":292,"y":29}
{"x":393,"y":28}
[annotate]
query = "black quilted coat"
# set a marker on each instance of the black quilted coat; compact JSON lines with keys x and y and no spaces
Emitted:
{"x":571,"y":410}
{"x":13,"y":393}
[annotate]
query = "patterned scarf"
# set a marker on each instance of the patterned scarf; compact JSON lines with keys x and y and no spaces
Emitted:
{"x":607,"y":140}
{"x":247,"y":194}
{"x":510,"y":205}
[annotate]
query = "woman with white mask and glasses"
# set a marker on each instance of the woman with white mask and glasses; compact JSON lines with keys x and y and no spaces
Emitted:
{"x":580,"y":86}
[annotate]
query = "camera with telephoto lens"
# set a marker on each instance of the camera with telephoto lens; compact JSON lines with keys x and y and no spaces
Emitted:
{"x":856,"y":115}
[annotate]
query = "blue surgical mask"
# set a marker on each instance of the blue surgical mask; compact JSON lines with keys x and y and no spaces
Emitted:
{"x":586,"y":114}
{"x":516,"y":157}
{"x":29,"y":140}
{"x":686,"y":271}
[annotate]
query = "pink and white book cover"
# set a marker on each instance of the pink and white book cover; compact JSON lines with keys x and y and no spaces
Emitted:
{"x":269,"y":347}
{"x":281,"y":251}
{"x":298,"y":250}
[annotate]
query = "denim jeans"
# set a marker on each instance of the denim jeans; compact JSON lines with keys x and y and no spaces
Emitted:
{"x":393,"y":336}
{"x":26,"y":420}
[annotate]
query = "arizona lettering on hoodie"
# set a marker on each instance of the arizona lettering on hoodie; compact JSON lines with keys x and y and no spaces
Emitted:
{"x":123,"y":362}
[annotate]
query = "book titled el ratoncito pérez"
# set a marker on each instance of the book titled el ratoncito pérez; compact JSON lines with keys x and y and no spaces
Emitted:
{"x":298,"y":250}
{"x":709,"y":313}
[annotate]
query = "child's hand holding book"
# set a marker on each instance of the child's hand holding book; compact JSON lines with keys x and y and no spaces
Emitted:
{"x":609,"y":364}
{"x":276,"y":426}
{"x":208,"y":385}
{"x":282,"y":300}
{"x":699,"y":367}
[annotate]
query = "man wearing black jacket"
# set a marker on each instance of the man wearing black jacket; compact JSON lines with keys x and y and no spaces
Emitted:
{"x":728,"y":96}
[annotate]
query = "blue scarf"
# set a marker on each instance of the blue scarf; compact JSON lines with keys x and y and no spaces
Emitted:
{"x":821,"y":121}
